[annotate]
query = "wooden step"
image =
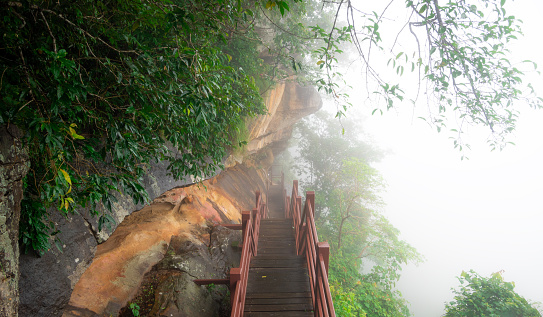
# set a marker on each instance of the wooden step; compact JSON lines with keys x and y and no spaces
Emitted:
{"x":278,"y":282}
{"x":279,"y":314}
{"x":278,"y":261}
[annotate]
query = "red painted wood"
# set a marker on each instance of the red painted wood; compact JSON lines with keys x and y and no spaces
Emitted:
{"x":275,"y":254}
{"x":239,"y":276}
{"x":234,"y":226}
{"x":316,"y":253}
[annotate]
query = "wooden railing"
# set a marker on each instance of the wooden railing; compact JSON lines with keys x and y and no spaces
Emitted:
{"x":238,"y":278}
{"x":307,"y":243}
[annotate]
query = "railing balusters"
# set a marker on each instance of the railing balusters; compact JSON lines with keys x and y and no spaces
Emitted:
{"x":307,"y":243}
{"x":239,"y":276}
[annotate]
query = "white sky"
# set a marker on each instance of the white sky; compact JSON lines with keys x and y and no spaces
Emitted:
{"x":484,"y":214}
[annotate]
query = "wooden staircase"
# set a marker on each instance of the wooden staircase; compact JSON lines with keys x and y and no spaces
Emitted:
{"x":278,"y":283}
{"x":272,"y":279}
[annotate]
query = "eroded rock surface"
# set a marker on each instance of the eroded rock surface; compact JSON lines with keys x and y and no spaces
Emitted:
{"x":142,"y":240}
{"x":13,"y":167}
{"x":287,"y":103}
{"x":220,"y":199}
{"x":48,"y":293}
{"x":168,"y":289}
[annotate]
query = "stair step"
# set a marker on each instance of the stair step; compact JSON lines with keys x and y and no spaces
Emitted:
{"x":278,"y":282}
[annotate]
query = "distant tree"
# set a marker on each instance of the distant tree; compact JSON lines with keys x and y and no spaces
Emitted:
{"x":489,"y":297}
{"x":321,"y":134}
{"x":336,"y":166}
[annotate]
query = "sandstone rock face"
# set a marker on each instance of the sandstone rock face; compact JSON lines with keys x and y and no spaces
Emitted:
{"x":186,"y":214}
{"x":144,"y":236}
{"x":287,"y":103}
{"x":168,"y":289}
{"x":48,"y":294}
{"x":13,"y":167}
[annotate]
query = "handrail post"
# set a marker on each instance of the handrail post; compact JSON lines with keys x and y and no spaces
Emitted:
{"x":235,"y":277}
{"x":245,"y":217}
{"x":256,"y":227}
{"x":324,"y":250}
{"x":299,"y":208}
{"x":300,"y":242}
{"x":286,"y":200}
{"x":310,"y":197}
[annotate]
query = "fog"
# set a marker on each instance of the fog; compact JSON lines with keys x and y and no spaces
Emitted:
{"x":484,"y":213}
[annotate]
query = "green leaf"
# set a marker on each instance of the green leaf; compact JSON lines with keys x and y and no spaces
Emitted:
{"x":60,"y":92}
{"x":423,"y":8}
{"x":61,"y":53}
{"x":74,"y":134}
{"x":66,"y":176}
{"x":270,"y":4}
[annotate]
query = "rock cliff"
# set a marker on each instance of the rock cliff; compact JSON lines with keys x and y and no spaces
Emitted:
{"x":13,"y":166}
{"x":105,"y":275}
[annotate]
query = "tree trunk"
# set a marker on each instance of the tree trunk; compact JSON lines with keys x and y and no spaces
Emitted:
{"x":13,"y":167}
{"x":340,"y":232}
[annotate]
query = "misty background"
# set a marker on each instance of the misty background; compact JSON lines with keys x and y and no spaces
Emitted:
{"x":484,"y":213}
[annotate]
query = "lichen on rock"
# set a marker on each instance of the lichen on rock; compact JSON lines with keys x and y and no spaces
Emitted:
{"x":14,"y":165}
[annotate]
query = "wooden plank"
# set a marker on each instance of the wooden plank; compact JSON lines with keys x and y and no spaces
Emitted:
{"x":278,"y":283}
{"x":278,"y":251}
{"x":274,"y":232}
{"x":271,"y":241}
{"x":273,"y":257}
{"x":271,"y":286}
{"x":266,"y":279}
{"x":278,"y":262}
{"x":276,"y":238}
{"x":286,"y":231}
{"x":278,"y":271}
{"x":280,"y":314}
{"x":279,"y":295}
{"x":278,"y":308}
{"x":278,"y":301}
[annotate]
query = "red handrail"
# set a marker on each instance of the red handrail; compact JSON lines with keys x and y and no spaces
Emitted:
{"x":316,"y":253}
{"x":240,"y":275}
{"x":307,"y":243}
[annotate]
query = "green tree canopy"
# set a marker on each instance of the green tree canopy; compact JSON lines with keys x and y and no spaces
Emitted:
{"x":103,"y":89}
{"x":488,"y":296}
{"x":366,"y":251}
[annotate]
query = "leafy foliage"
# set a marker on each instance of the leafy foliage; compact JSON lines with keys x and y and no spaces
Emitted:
{"x":492,"y":296}
{"x":461,"y":58}
{"x":348,"y":204}
{"x":105,"y":88}
{"x":468,"y":65}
